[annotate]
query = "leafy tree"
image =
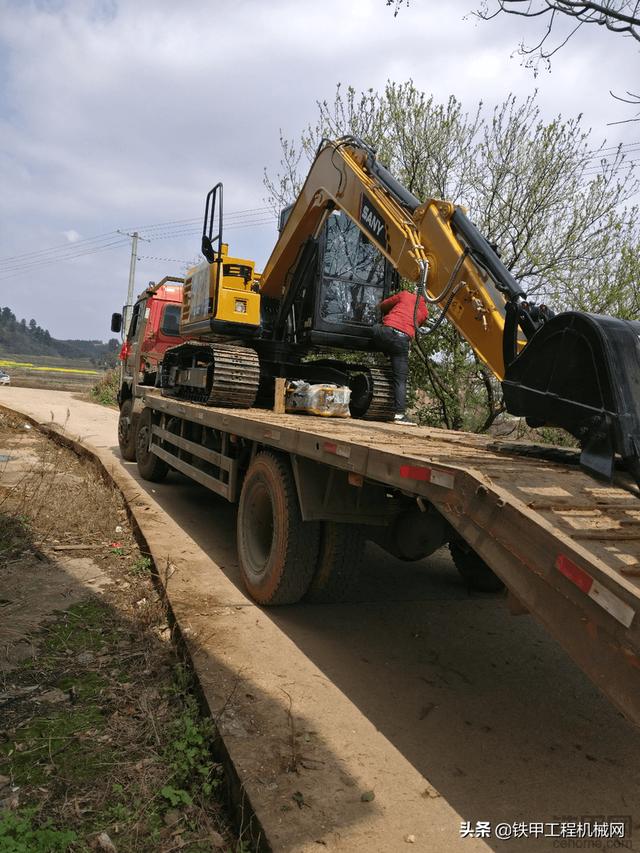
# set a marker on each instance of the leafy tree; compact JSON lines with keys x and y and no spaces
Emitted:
{"x":31,"y":339}
{"x":557,"y":207}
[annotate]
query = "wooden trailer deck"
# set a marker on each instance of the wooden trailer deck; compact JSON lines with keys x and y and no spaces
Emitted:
{"x":567,"y":546}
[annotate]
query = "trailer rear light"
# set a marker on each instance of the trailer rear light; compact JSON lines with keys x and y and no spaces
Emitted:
{"x":615,"y":606}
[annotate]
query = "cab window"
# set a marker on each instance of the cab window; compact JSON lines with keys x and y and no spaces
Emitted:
{"x":171,"y":321}
{"x":133,"y":325}
{"x":353,"y":274}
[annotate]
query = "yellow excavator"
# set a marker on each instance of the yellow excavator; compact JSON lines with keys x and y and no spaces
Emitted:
{"x":351,"y":234}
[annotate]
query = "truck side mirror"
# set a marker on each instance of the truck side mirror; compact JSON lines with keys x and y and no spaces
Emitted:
{"x":116,"y":322}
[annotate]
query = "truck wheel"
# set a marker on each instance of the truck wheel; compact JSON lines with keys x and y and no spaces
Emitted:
{"x":278,"y":551}
{"x":338,"y":567}
{"x":127,"y":431}
{"x":473,"y":570}
{"x":150,"y":466}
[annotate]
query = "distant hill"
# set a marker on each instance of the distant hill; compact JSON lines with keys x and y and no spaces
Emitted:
{"x":18,"y":336}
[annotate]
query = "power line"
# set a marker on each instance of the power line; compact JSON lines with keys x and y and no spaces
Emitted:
{"x":196,"y":226}
{"x":610,"y":160}
{"x":27,"y":267}
{"x":62,"y":251}
{"x":65,"y":246}
{"x":234,"y":214}
{"x":191,"y":230}
{"x":37,"y":263}
{"x":171,"y":260}
{"x":70,"y":252}
{"x":598,"y":170}
{"x":68,"y":257}
{"x":610,"y":151}
{"x":79,"y":245}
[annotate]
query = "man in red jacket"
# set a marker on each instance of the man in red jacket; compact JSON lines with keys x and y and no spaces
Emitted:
{"x":393,"y":336}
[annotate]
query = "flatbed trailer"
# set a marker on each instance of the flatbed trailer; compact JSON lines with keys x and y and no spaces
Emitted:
{"x":566,"y":546}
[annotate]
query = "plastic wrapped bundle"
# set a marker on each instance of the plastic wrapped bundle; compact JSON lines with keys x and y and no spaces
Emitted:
{"x":328,"y":401}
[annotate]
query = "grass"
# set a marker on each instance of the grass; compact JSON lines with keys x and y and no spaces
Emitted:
{"x":106,"y":389}
{"x":102,"y":732}
{"x":141,"y":566}
{"x":19,"y":834}
{"x":15,"y":536}
{"x":131,"y":754}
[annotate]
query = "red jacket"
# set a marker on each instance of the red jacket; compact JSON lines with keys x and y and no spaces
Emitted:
{"x":398,"y":312}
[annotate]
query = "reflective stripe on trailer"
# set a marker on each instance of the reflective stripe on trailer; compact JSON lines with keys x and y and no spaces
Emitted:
{"x":615,"y":606}
{"x":427,"y":475}
{"x":337,"y":449}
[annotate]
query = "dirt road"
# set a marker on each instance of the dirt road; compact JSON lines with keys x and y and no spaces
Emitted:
{"x":440,"y":702}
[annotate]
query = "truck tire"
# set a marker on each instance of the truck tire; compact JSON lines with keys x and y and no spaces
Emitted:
{"x":278,"y":551}
{"x":127,"y":431}
{"x":338,"y":567}
{"x":150,"y":466}
{"x":473,"y":570}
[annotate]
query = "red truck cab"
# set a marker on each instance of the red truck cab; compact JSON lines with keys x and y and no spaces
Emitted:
{"x":154,"y":327}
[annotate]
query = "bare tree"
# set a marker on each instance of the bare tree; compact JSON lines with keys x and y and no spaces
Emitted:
{"x":563,"y":18}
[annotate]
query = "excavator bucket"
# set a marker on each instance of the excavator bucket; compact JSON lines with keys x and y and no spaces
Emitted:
{"x":581,"y":372}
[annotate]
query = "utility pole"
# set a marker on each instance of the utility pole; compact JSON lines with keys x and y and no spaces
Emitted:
{"x":132,"y":276}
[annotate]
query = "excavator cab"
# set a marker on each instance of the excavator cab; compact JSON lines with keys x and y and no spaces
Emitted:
{"x":352,"y":278}
{"x":338,"y":280}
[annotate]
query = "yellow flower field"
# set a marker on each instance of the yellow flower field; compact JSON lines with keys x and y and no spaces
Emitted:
{"x":28,"y":365}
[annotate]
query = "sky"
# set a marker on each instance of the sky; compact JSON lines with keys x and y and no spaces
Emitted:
{"x":120,"y":115}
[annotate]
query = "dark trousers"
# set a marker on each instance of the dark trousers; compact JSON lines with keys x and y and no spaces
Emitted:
{"x":396,"y":346}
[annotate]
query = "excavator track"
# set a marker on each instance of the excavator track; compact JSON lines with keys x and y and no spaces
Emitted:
{"x":382,"y":405}
{"x":212,"y":374}
{"x":236,"y":376}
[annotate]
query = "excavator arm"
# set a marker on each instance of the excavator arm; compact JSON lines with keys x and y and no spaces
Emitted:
{"x":574,"y":370}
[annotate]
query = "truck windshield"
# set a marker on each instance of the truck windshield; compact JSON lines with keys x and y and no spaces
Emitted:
{"x":353,"y":274}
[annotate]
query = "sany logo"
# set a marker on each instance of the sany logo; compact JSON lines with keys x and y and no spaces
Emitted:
{"x":373,"y":222}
